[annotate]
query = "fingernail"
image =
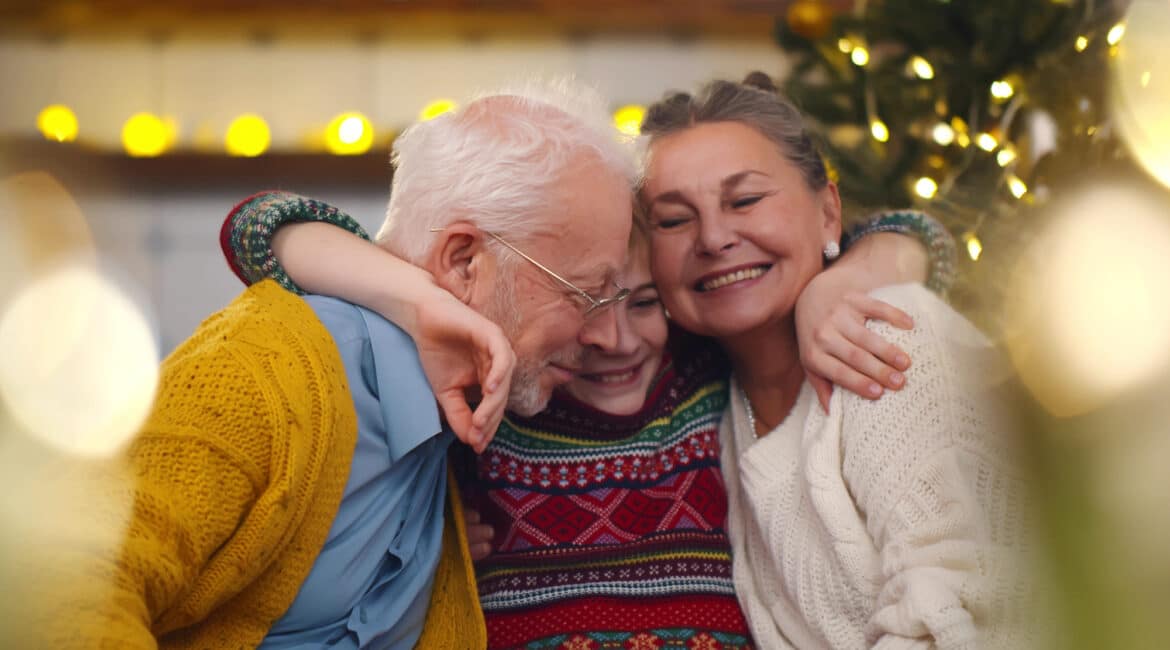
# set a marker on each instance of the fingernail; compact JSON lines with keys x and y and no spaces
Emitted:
{"x":902,"y":361}
{"x":875,"y":390}
{"x":896,"y":378}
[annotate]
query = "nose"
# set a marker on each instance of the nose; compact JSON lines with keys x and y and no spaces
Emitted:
{"x":603,"y":331}
{"x":715,"y":236}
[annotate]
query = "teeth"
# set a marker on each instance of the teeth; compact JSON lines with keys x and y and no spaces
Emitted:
{"x":612,"y":378}
{"x":737,"y":276}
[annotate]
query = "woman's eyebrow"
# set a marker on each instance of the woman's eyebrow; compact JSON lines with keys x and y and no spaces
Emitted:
{"x":735,"y":179}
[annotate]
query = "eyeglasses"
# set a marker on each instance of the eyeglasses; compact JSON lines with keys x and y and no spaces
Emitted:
{"x":595,"y":304}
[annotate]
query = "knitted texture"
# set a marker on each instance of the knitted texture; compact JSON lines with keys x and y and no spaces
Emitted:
{"x":234,"y":482}
{"x":939,"y":244}
{"x":610,"y":530}
{"x":896,"y":523}
{"x":246,"y":234}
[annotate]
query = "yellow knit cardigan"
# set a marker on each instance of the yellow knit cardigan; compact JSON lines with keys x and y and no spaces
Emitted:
{"x":230,"y":489}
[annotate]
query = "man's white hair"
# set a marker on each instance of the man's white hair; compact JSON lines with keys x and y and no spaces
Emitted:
{"x":497,"y":163}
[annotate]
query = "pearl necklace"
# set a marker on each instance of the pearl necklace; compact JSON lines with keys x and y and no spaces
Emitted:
{"x":751,"y":415}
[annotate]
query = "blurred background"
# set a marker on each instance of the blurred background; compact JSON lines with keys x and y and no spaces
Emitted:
{"x":1038,"y":131}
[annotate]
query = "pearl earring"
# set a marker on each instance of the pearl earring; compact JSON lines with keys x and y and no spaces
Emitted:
{"x":832,"y":251}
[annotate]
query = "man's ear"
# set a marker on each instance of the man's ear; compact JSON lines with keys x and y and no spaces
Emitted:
{"x":459,"y":261}
{"x":830,"y":200}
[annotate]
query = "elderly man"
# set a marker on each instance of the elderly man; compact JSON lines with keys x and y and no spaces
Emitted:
{"x":289,"y":486}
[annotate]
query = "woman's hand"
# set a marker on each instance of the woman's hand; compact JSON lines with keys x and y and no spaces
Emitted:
{"x":462,"y":353}
{"x":835,"y":345}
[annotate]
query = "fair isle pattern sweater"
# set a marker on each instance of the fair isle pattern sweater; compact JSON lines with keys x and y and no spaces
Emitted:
{"x":610,"y":531}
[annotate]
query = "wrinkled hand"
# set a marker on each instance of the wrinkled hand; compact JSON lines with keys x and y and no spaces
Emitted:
{"x":837,"y":348}
{"x":460,"y":351}
{"x":479,"y":535}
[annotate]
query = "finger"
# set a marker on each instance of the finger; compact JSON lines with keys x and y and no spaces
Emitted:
{"x":840,"y":374}
{"x":870,"y":341}
{"x":823,"y":388}
{"x":479,"y":551}
{"x":477,"y":533}
{"x":470,"y":517}
{"x":861,"y":361}
{"x":875,"y":309}
{"x":458,"y":413}
{"x":502,"y":361}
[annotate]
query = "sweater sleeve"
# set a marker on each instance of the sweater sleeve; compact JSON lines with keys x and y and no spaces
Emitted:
{"x":246,"y":234}
{"x":931,"y":470}
{"x":939,"y":244}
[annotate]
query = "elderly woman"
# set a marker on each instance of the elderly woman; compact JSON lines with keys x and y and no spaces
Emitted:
{"x":890,"y":523}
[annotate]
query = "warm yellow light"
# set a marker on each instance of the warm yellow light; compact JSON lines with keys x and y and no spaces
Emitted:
{"x":1017,"y":186}
{"x":986,"y":142}
{"x":436,"y":108}
{"x":922,"y":67}
{"x":1145,"y":80}
{"x":880,"y":131}
{"x":859,"y":56}
{"x":1002,"y":89}
{"x":926,"y":187}
{"x":1082,"y":43}
{"x":349,"y":134}
{"x":974,"y":247}
{"x":1139,"y":92}
{"x":73,"y":333}
{"x":628,"y":119}
{"x":1006,"y":156}
{"x":247,"y":135}
{"x":146,"y":135}
{"x":1090,"y":290}
{"x":57,"y":122}
{"x":963,"y":139}
{"x":943,"y":134}
{"x":845,"y":45}
{"x":1115,"y":34}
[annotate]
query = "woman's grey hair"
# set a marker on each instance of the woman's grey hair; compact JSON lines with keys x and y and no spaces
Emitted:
{"x":755,"y":103}
{"x":498,"y":163}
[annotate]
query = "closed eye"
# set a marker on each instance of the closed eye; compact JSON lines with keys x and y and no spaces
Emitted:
{"x":746,"y":201}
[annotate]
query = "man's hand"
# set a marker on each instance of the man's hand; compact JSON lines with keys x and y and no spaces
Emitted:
{"x":479,"y":535}
{"x":462,"y":351}
{"x":836,"y":347}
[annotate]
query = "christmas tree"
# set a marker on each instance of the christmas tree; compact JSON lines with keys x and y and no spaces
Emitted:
{"x":976,"y":110}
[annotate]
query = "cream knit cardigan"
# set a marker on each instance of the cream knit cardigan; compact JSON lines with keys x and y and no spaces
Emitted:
{"x":888,"y":524}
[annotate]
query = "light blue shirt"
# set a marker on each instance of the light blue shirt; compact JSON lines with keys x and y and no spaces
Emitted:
{"x":371,"y":584}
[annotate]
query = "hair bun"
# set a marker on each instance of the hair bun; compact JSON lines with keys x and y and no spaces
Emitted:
{"x":760,"y":80}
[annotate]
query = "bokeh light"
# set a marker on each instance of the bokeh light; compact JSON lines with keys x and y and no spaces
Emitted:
{"x":921,"y":67}
{"x":145,"y":135}
{"x":78,"y":361}
{"x":879,"y":131}
{"x":628,"y":119}
{"x":1141,"y":88}
{"x":436,"y":108}
{"x":349,"y":134}
{"x":1088,"y":305}
{"x":248,"y":136}
{"x":57,"y":122}
{"x":926,"y":187}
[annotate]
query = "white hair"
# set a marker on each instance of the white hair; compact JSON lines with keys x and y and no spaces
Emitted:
{"x":497,"y":163}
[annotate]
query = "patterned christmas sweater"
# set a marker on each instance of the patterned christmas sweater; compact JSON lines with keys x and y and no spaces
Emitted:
{"x":610,"y":531}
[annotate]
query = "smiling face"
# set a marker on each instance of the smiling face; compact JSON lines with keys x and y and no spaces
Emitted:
{"x":736,"y":232}
{"x":542,"y":317}
{"x":615,"y":376}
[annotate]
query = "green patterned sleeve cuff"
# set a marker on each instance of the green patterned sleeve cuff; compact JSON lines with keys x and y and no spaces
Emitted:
{"x":939,"y":243}
{"x":246,"y":235}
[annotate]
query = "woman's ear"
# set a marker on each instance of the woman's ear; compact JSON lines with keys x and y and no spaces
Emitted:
{"x":830,"y":200}
{"x":458,"y":260}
